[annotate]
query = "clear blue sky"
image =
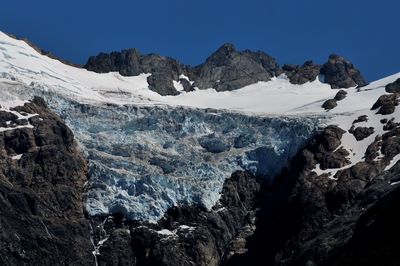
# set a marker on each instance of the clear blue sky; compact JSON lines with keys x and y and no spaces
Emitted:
{"x":365,"y":31}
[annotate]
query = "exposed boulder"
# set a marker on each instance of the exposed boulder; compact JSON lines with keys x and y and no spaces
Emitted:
{"x":361,"y":118}
{"x":361,"y":133}
{"x":333,"y":160}
{"x":373,"y":149}
{"x":340,"y":95}
{"x":301,"y":74}
{"x":386,"y":103}
{"x":187,"y":86}
{"x":329,"y":104}
{"x":390,"y":125}
{"x":340,"y":73}
{"x":393,"y":87}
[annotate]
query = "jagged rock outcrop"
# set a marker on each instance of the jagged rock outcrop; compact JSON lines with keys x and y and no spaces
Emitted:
{"x":332,"y":103}
{"x":228,"y":69}
{"x":41,"y":186}
{"x":361,"y":133}
{"x":361,"y":118}
{"x":393,"y":87}
{"x":341,"y":73}
{"x":307,"y":219}
{"x":301,"y":74}
{"x":310,"y":219}
{"x":386,"y":103}
{"x":131,"y":63}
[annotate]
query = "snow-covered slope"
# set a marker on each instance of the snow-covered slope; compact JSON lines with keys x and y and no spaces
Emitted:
{"x":149,"y":152}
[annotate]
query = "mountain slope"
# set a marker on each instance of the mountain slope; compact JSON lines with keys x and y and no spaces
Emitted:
{"x":160,"y":166}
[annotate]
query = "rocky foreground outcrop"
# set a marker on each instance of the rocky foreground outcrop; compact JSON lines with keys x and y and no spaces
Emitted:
{"x":186,"y":235}
{"x":226,"y":69}
{"x":41,"y":186}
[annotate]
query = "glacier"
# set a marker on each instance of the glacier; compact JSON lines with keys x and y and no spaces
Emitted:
{"x":148,"y":152}
{"x":145,"y":159}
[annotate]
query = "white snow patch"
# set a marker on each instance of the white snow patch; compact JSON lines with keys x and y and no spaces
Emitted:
{"x":395,"y":183}
{"x":393,"y":162}
{"x":178,"y":86}
{"x":17,"y":157}
{"x":166,"y":232}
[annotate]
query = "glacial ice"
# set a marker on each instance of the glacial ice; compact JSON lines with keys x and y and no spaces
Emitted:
{"x":145,"y":159}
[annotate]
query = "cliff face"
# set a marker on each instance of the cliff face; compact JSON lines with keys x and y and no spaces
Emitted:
{"x":41,"y":183}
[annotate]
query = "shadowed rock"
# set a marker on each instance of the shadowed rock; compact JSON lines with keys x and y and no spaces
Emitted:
{"x":340,"y":73}
{"x":361,"y":133}
{"x":340,"y":95}
{"x":228,"y":69}
{"x":308,"y":72}
{"x":386,"y":104}
{"x":393,"y":87}
{"x":41,"y":210}
{"x":329,"y":104}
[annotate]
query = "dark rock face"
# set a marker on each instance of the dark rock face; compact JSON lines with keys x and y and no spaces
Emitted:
{"x":188,"y":235}
{"x":386,"y":104}
{"x":361,"y":118}
{"x":186,"y":85}
{"x":361,"y":133}
{"x":376,"y":235}
{"x":301,"y":74}
{"x":329,"y":104}
{"x":307,"y":219}
{"x":389,"y":125}
{"x":393,"y":87}
{"x":340,"y":95}
{"x":228,"y":69}
{"x":225,"y":70}
{"x":41,"y":213}
{"x":341,"y":73}
{"x":332,"y":103}
{"x":131,"y":63}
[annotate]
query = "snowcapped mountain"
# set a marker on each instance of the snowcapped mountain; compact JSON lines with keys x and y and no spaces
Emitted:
{"x":160,"y":135}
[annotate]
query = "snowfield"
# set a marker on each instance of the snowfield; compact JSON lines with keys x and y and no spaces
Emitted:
{"x":148,"y":152}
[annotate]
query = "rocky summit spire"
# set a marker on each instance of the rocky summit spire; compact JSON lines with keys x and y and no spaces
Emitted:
{"x":341,"y":73}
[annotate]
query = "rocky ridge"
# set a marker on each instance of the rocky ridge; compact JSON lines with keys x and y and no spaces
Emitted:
{"x":226,"y":69}
{"x":328,"y":207}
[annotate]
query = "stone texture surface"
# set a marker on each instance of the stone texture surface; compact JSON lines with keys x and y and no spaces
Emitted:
{"x":386,"y":103}
{"x":41,"y":212}
{"x":188,"y":235}
{"x":301,"y":74}
{"x":329,"y":104}
{"x":131,"y":63}
{"x":341,"y":73}
{"x":393,"y":87}
{"x":226,"y":69}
